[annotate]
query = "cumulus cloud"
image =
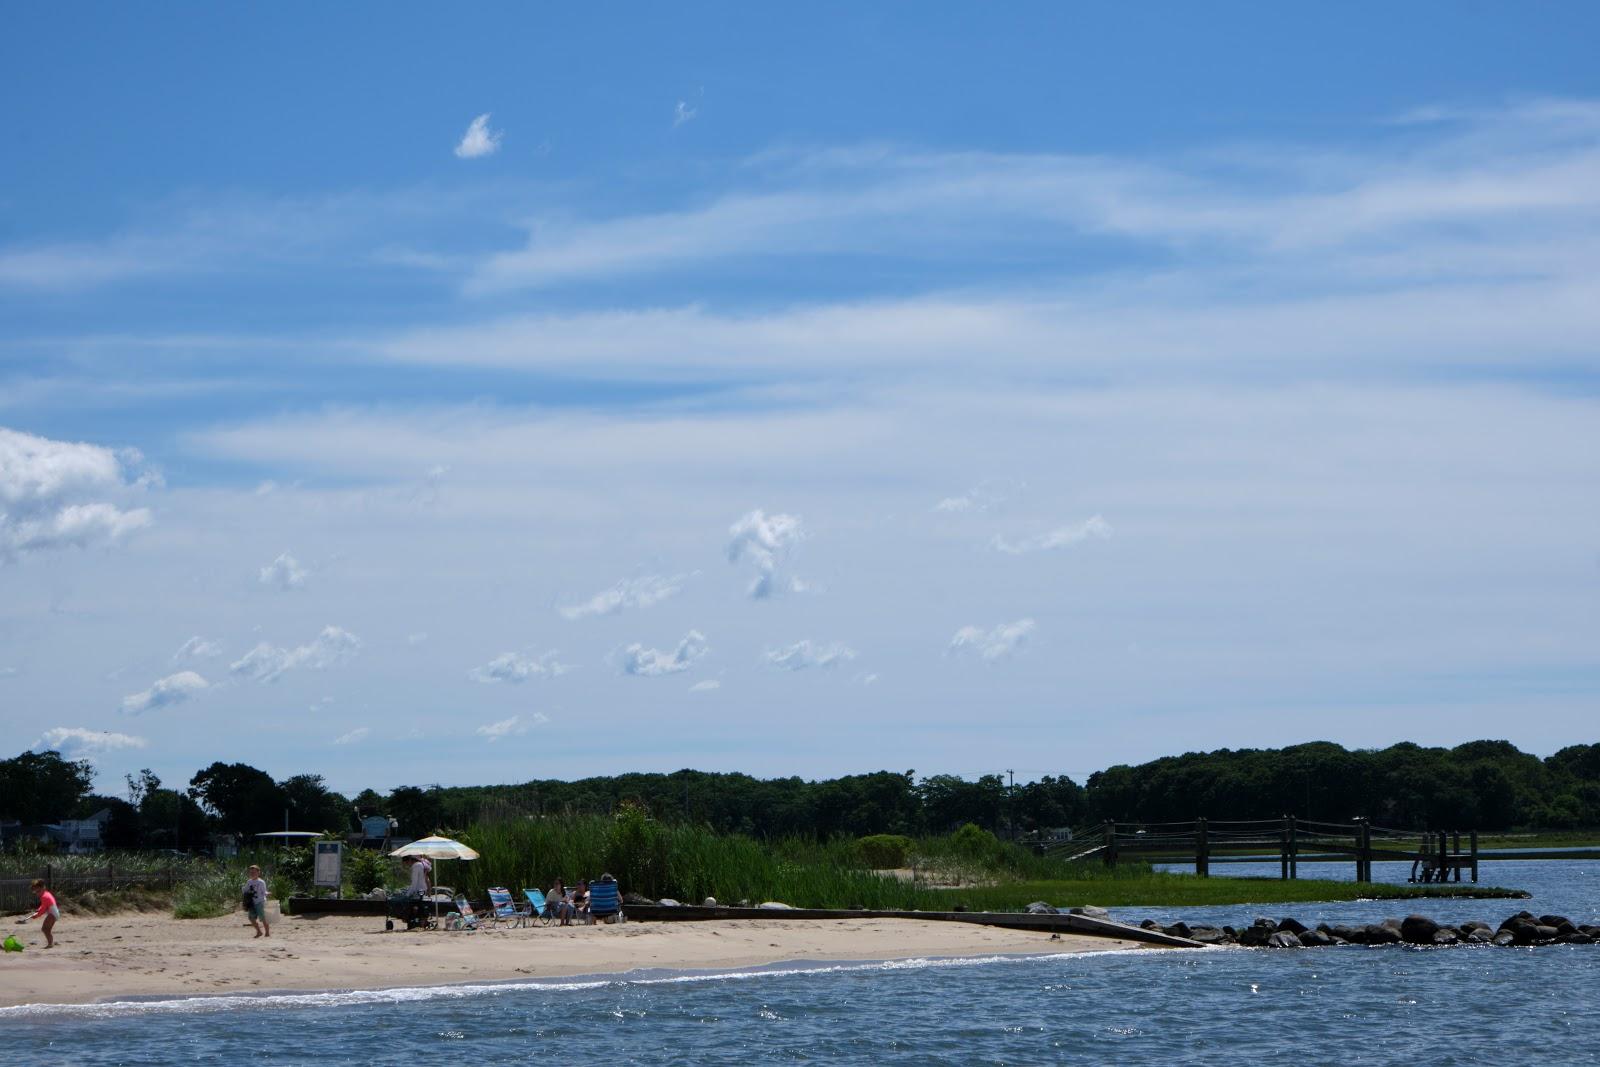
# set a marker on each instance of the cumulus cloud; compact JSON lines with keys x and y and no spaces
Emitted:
{"x":628,"y":593}
{"x":518,"y":667}
{"x":479,"y":140}
{"x":267,"y":663}
{"x":766,"y":541}
{"x":803,"y":655}
{"x":990,"y":645}
{"x":649,"y":662}
{"x":173,"y":689}
{"x":58,"y":494}
{"x":198,"y":647}
{"x":705,"y":686}
{"x":1060,"y":537}
{"x":494,"y":731}
{"x":78,"y":741}
{"x":360,"y":733}
{"x":285,"y":573}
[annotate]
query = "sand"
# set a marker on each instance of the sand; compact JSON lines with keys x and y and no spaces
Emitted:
{"x":138,"y":954}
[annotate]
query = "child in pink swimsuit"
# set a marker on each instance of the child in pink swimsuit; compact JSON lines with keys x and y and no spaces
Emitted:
{"x":48,"y":909}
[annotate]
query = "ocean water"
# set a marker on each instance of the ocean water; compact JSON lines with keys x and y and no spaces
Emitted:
{"x":1394,"y":1005}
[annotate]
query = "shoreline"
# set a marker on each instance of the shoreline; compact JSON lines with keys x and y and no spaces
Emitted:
{"x":134,"y":956}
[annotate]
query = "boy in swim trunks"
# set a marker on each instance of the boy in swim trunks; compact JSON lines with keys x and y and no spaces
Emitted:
{"x":255,"y":897}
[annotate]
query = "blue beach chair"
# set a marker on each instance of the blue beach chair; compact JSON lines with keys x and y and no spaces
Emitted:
{"x":605,"y":900}
{"x":541,"y":908}
{"x":505,"y":909}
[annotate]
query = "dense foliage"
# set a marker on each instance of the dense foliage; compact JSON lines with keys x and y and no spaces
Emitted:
{"x":1485,"y":785}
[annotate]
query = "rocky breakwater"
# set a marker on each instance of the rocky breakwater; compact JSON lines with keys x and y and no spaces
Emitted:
{"x":1523,"y":928}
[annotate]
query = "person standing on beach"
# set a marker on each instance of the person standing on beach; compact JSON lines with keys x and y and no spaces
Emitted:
{"x":47,"y":908}
{"x":255,"y":902}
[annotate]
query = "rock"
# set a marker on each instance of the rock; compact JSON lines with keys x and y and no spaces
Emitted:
{"x":1565,"y":927}
{"x":1092,"y":912}
{"x":1150,"y":924}
{"x":1504,"y":938}
{"x":1576,"y":939}
{"x":1545,"y":933}
{"x":668,"y":902}
{"x":1039,"y":907}
{"x":1381,"y":934}
{"x":774,"y":905}
{"x":1445,"y":936}
{"x":1292,"y":926}
{"x":1474,"y":924}
{"x":1254,"y":936}
{"x":1316,"y":938}
{"x":1480,"y":935}
{"x":1418,"y":929}
{"x":1553,"y":920}
{"x":1344,"y":933}
{"x":636,"y":898}
{"x":1179,"y":929}
{"x":1230,"y":933}
{"x":1208,"y":935}
{"x":709,"y":902}
{"x":1283,"y":939}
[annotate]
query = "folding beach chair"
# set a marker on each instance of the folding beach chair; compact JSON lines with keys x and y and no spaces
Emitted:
{"x":465,"y":918}
{"x":605,"y":900}
{"x":505,"y":909}
{"x":541,"y":908}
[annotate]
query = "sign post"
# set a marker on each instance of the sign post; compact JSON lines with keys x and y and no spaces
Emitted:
{"x":328,"y":872}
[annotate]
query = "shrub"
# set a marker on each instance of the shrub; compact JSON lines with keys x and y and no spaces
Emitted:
{"x":369,"y":869}
{"x":884,"y":851}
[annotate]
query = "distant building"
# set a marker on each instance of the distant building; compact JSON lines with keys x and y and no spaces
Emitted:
{"x":80,"y":835}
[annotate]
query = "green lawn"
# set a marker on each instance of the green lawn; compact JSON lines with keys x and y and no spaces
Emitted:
{"x":1157,"y":889}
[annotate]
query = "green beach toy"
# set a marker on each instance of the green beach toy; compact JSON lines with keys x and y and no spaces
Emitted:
{"x":11,"y":944}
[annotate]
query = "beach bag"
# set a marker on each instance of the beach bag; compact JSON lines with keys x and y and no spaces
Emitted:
{"x":249,"y":899}
{"x":11,"y":944}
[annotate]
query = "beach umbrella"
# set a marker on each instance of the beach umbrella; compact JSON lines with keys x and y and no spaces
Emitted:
{"x":435,"y":848}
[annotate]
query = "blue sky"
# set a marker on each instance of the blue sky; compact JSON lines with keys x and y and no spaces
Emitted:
{"x":908,"y":386}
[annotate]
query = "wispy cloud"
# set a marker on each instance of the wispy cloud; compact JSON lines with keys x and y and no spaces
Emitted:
{"x":479,"y":140}
{"x":628,"y":593}
{"x":766,"y":541}
{"x":73,"y":741}
{"x":981,"y":497}
{"x":268,"y":663}
{"x":683,"y":112}
{"x":705,"y":686}
{"x":173,"y":689}
{"x":645,"y":662}
{"x":518,"y":667}
{"x":198,"y":647}
{"x":1060,"y":537}
{"x":59,"y":494}
{"x":990,"y":645}
{"x":494,"y":731}
{"x":284,"y":573}
{"x":806,"y":654}
{"x":360,"y":733}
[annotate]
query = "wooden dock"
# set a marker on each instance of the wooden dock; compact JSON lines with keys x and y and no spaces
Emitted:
{"x":1436,"y":856}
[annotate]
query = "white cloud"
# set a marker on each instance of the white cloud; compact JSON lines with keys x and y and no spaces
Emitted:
{"x":285,"y":573}
{"x":267,"y":663}
{"x":416,"y":639}
{"x":683,"y":112}
{"x":767,"y":541}
{"x":650,"y":662}
{"x":360,"y":733}
{"x":1060,"y":537}
{"x":173,"y":689}
{"x":198,"y":647}
{"x":628,"y":593}
{"x":479,"y":140}
{"x":8,"y":672}
{"x":803,"y":655}
{"x":981,"y":497}
{"x":59,"y":494}
{"x":76,"y":740}
{"x":494,"y":731}
{"x":990,"y":645}
{"x":518,"y":667}
{"x":705,"y":686}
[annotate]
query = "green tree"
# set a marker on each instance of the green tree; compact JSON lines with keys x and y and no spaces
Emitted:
{"x":245,"y":801}
{"x":40,"y":787}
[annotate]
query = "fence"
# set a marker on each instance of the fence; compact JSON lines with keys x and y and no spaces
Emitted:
{"x":16,"y":896}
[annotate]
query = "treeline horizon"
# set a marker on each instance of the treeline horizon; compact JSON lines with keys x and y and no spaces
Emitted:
{"x":1483,"y":785}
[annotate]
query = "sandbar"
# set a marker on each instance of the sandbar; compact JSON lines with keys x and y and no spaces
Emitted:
{"x":105,"y":958}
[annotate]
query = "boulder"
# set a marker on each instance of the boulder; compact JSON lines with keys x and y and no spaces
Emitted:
{"x":1445,"y":936}
{"x":709,"y":902}
{"x":1179,"y":929}
{"x":1092,"y":912}
{"x":1150,"y":924}
{"x":1480,"y":935}
{"x":1292,"y":926}
{"x":775,"y":905}
{"x":1418,"y":929}
{"x":1255,"y":936}
{"x":1316,"y":938}
{"x":1208,"y":935}
{"x":668,"y":902}
{"x":1345,"y":933}
{"x":1575,"y":939}
{"x":1545,"y":933}
{"x":1039,"y":907}
{"x":1553,"y":920}
{"x":1565,"y":927}
{"x":1283,"y":939}
{"x":1381,"y":934}
{"x":1504,"y":938}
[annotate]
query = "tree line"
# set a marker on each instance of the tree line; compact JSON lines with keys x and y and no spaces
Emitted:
{"x":1486,"y":785}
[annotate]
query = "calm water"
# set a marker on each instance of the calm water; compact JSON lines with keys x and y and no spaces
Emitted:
{"x":1350,"y":1006}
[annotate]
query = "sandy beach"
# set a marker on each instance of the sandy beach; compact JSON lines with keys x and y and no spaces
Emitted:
{"x":139,"y":954}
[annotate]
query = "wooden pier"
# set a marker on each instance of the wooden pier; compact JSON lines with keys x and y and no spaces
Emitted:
{"x":1435,"y":856}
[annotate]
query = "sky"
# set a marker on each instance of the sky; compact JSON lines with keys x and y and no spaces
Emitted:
{"x":405,"y":397}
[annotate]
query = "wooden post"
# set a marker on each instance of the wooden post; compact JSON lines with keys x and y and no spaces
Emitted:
{"x":1202,"y":849}
{"x":1283,"y":849}
{"x":1110,"y":855}
{"x":1455,"y":854}
{"x":1363,"y":850}
{"x":1444,"y":856}
{"x":1294,"y":847}
{"x":1474,"y":841}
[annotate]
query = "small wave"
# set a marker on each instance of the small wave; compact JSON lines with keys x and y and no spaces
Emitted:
{"x":339,"y":998}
